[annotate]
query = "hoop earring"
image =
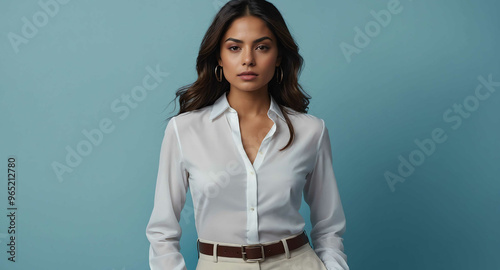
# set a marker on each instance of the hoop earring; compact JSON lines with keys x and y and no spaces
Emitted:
{"x":281,"y":79}
{"x":219,"y":78}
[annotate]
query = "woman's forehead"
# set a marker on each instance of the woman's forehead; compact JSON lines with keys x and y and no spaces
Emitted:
{"x":248,"y":29}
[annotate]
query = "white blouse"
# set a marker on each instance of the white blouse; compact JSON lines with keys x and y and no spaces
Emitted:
{"x":236,"y":201}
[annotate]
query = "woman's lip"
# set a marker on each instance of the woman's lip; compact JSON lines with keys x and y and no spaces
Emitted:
{"x":247,"y":77}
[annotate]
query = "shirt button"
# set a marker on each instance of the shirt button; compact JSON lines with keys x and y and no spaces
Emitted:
{"x":251,"y":208}
{"x":260,"y":152}
{"x":252,"y":173}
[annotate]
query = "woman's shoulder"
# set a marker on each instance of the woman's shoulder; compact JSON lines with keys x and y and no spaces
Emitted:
{"x":193,"y":115}
{"x":191,"y":120}
{"x":306,"y":120}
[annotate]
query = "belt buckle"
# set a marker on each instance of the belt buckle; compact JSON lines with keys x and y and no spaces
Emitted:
{"x":243,"y":253}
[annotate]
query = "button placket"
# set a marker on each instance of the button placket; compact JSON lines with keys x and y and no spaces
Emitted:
{"x":252,"y":221}
{"x":251,"y":183}
{"x":251,"y":191}
{"x":264,"y":146}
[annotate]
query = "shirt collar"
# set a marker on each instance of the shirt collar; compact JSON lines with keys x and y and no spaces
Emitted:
{"x":221,"y":105}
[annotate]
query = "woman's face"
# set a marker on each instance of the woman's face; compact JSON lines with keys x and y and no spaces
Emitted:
{"x":249,"y":45}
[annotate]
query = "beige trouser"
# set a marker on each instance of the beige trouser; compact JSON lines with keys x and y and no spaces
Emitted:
{"x":301,"y":258}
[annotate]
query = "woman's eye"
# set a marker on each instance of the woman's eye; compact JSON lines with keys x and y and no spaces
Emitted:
{"x":261,"y":47}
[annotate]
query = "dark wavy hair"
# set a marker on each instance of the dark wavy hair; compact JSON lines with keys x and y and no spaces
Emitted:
{"x":206,"y":89}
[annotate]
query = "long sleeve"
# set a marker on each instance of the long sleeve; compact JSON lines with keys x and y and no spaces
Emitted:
{"x":327,"y":215}
{"x":163,"y":230}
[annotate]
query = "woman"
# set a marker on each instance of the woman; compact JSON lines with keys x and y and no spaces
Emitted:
{"x":245,"y":147}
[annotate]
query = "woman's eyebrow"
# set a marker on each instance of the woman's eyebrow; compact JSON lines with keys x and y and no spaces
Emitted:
{"x":240,"y":41}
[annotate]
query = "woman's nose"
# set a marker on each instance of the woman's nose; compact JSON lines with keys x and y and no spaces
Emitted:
{"x":248,"y":57}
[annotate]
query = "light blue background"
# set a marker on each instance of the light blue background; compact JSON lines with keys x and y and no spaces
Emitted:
{"x":445,"y":215}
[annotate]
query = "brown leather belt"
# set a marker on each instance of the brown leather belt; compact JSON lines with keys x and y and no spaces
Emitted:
{"x":252,"y":253}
